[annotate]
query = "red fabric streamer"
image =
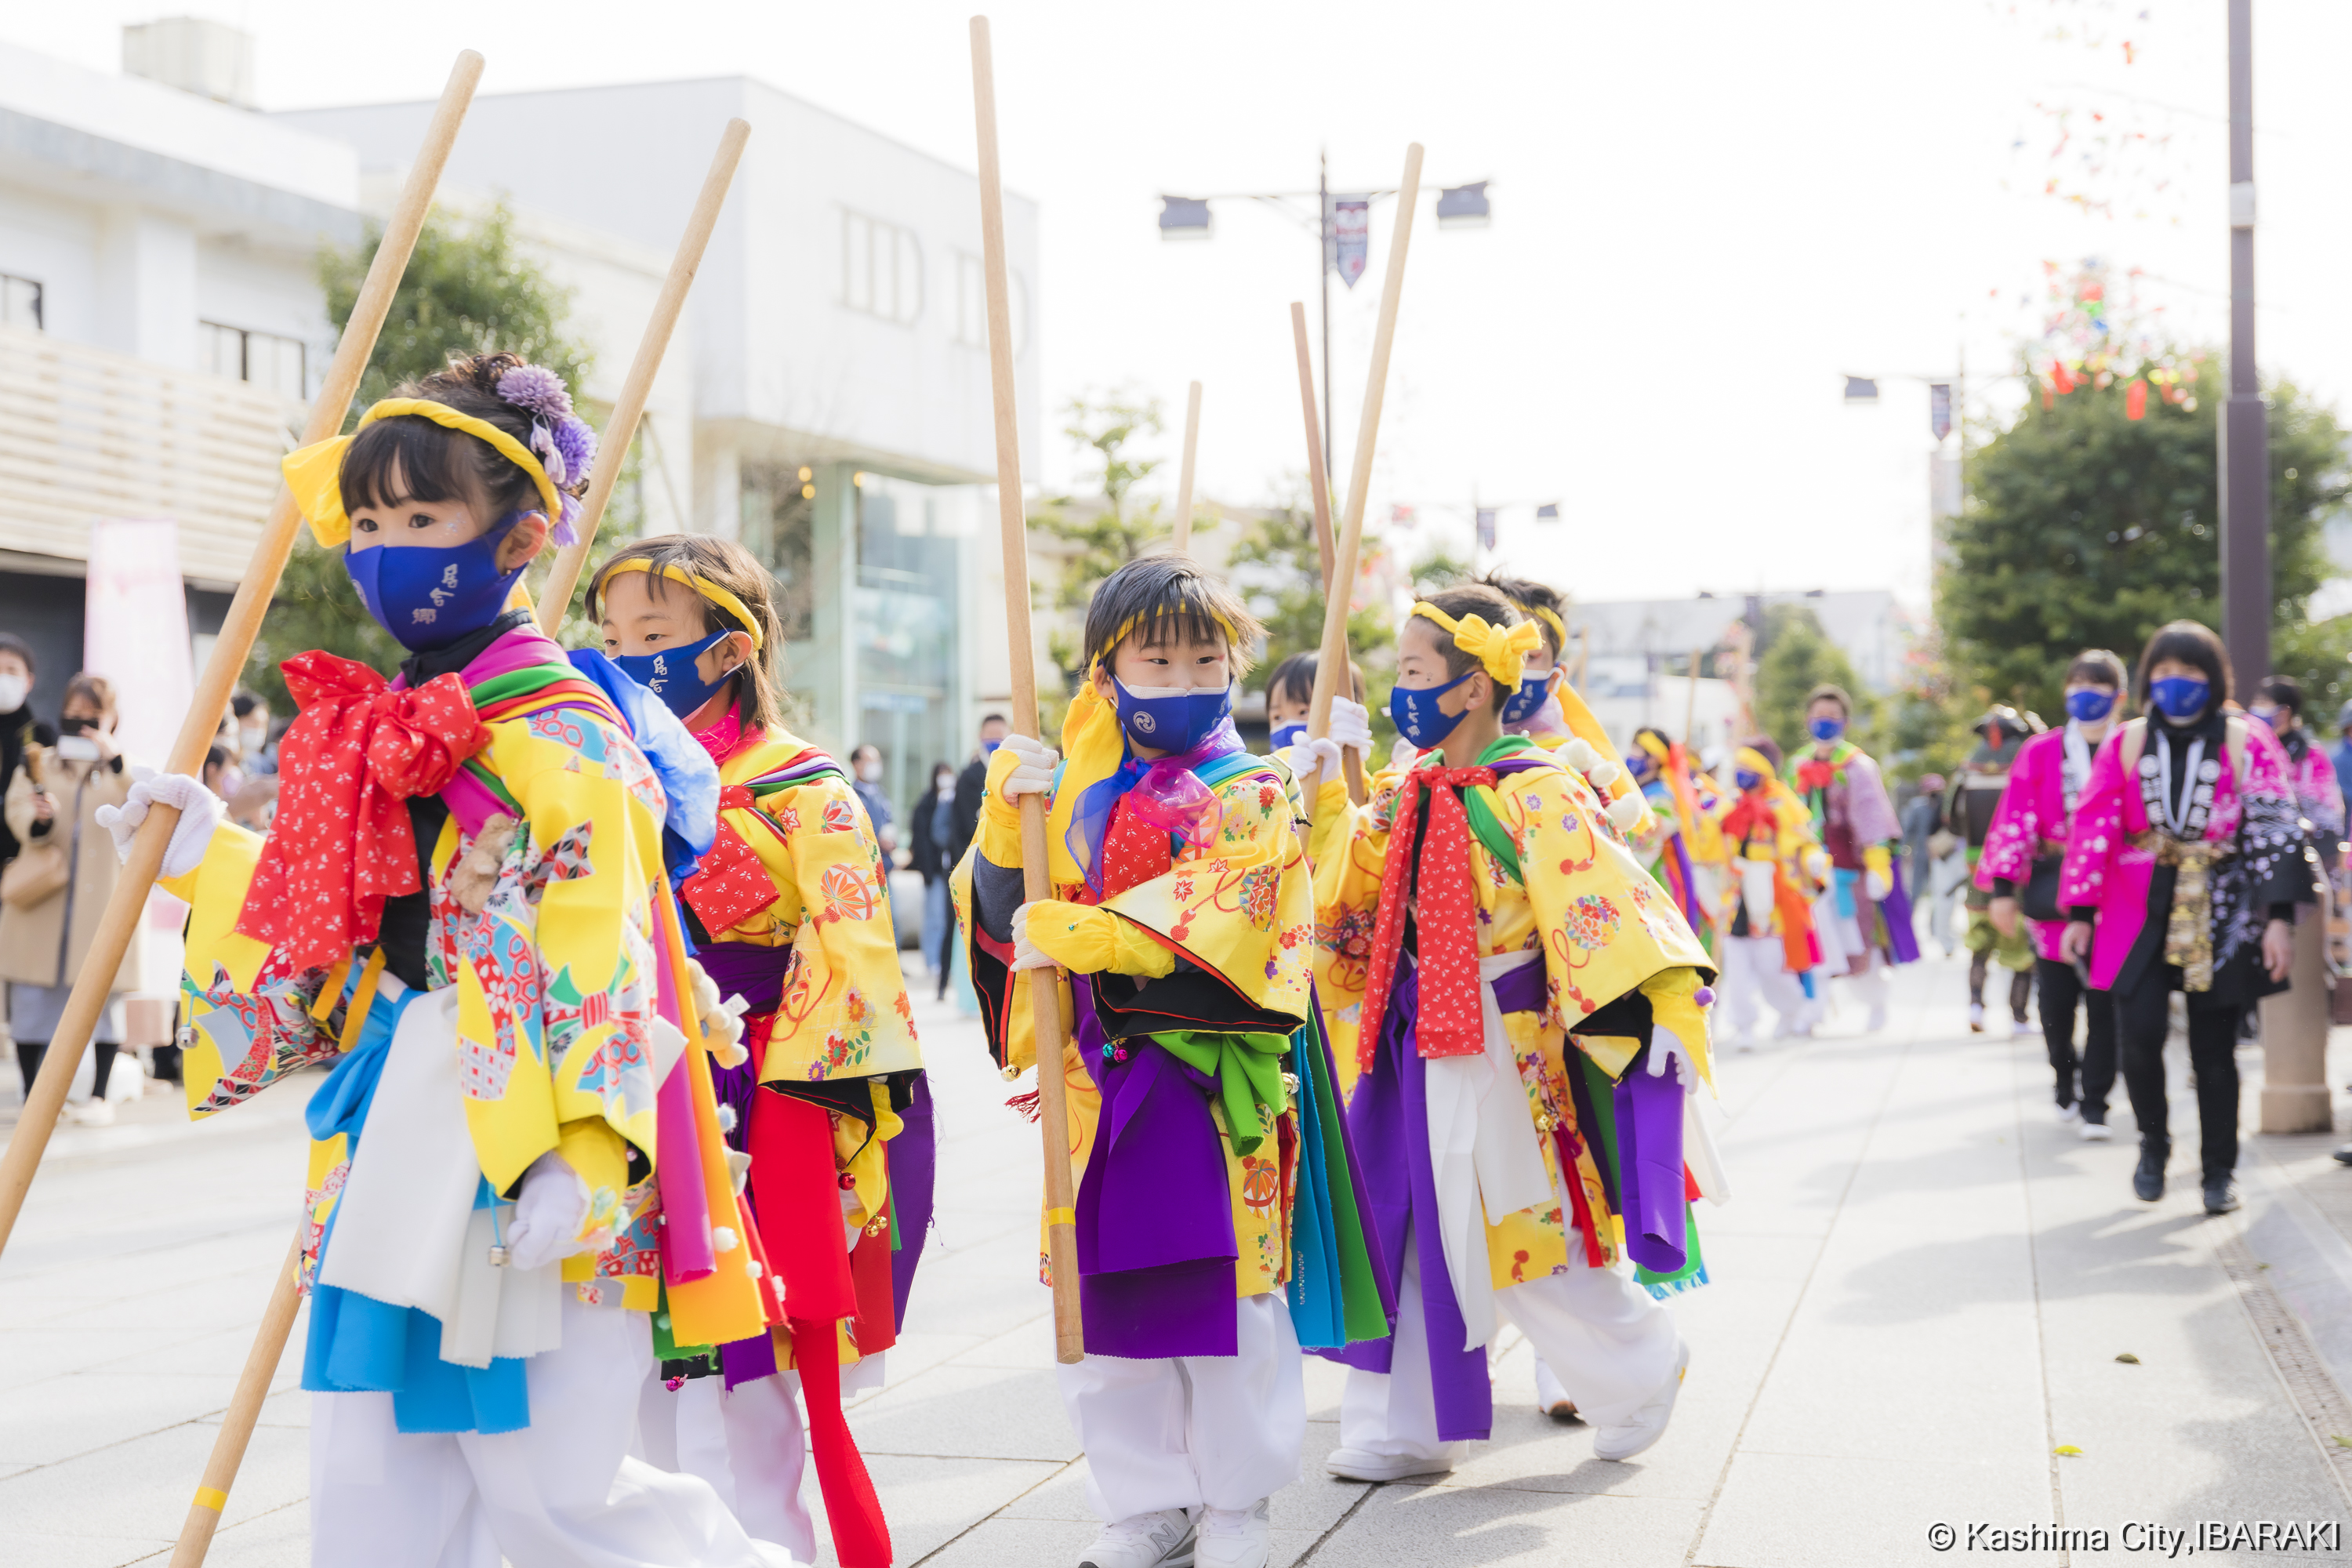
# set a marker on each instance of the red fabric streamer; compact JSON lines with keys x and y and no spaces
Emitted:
{"x":1451,"y":1022}
{"x":341,"y":842}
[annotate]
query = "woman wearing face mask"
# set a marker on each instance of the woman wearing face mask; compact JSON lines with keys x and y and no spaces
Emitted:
{"x":934,"y":820}
{"x":2023,"y":848}
{"x":2182,"y":873}
{"x":18,"y":728}
{"x":53,"y":803}
{"x":2278,"y":702}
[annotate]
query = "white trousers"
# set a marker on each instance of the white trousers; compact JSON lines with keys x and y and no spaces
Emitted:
{"x":1609,"y":1342}
{"x":560,"y":1493}
{"x":1756,"y":970}
{"x":748,"y":1442}
{"x":1192,"y":1431}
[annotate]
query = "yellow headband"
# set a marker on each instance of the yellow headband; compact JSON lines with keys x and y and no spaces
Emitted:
{"x":315,"y":473}
{"x":710,"y":590}
{"x":1559,"y":627}
{"x":1132,"y":622}
{"x":1653,"y":745}
{"x":1503,"y":650}
{"x":1754,"y":761}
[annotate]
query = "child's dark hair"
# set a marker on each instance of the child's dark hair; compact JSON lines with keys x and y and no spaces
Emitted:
{"x":2187,"y":642}
{"x":1293,"y":678}
{"x":2097,"y":667}
{"x":1490,"y":605}
{"x":1542,"y":604}
{"x":1829,"y":691}
{"x":11,"y":643}
{"x":409,"y":457}
{"x":726,"y":564}
{"x":1159,"y":596}
{"x":2283,"y":691}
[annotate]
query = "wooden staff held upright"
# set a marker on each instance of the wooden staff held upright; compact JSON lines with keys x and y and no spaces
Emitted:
{"x":1185,"y":474}
{"x":1053,"y":1119}
{"x":1341,"y":587}
{"x":46,"y":1093}
{"x":1318,"y":479}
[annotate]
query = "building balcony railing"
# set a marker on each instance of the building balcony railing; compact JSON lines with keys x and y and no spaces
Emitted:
{"x":87,"y":433}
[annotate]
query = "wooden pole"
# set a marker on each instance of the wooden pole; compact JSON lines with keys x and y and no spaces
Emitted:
{"x":124,"y":907}
{"x":1690,"y":701}
{"x":613,"y":443}
{"x":1053,"y":1118}
{"x":1185,"y":474}
{"x":244,"y":1412}
{"x":1334,"y":656}
{"x":1319,"y":475}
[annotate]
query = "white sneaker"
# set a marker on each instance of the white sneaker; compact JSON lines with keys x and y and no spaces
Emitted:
{"x":1356,"y":1465}
{"x":1235,"y":1538}
{"x":1162,"y":1539}
{"x":1976,"y":1017}
{"x":1551,"y":1399}
{"x":96,"y":1113}
{"x":1877,"y":1019}
{"x":2069,"y":1114}
{"x":2097,"y":1133}
{"x":2021,"y":1028}
{"x":1648,"y":1424}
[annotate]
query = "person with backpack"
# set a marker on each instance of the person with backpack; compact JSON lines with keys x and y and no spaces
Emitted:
{"x":2182,"y":874}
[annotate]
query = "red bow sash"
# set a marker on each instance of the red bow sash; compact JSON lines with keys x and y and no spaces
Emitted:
{"x":341,"y":842}
{"x":1451,"y":1022}
{"x":1813,"y":773}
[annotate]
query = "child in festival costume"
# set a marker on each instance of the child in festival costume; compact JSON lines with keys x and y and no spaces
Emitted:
{"x":462,"y":905}
{"x":1863,"y":921}
{"x":1780,"y":870}
{"x":790,"y":914}
{"x":1218,"y":1215}
{"x":1308,"y":766}
{"x":1684,"y":853}
{"x":1539,"y":1007}
{"x":1974,"y":800}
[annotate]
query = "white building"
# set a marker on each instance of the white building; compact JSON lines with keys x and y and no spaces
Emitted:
{"x":840,"y":421}
{"x":161,"y":320}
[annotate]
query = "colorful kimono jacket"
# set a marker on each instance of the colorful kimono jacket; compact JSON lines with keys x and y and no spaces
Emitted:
{"x":1772,"y":826}
{"x":2033,"y":820}
{"x":2201,"y":900}
{"x":1579,"y":953}
{"x":1857,"y":826}
{"x":1204,"y":1111}
{"x":2316,"y":789}
{"x":548,"y":917}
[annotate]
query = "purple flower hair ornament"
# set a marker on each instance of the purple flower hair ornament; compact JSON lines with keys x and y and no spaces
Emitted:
{"x":538,"y":389}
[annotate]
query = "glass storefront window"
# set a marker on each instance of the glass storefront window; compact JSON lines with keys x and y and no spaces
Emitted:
{"x":907,"y":626}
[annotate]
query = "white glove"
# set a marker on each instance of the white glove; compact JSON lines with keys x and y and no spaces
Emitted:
{"x":1034,"y":773}
{"x":200,"y":812}
{"x":1817,"y":865}
{"x":1025,"y":953}
{"x":1351,"y":725}
{"x":1876,"y":886}
{"x":1667,"y":1046}
{"x":1313,"y":762}
{"x":1402,"y":755}
{"x":547,"y":1216}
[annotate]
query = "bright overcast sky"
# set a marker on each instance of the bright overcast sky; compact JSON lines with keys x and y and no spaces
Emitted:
{"x":1705,"y":215}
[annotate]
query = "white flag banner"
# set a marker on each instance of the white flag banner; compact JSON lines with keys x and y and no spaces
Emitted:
{"x":135,"y":632}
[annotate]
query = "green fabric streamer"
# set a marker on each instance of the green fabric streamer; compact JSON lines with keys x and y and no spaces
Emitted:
{"x":1360,"y":1290}
{"x":666,"y":1348}
{"x":1689,"y":1277}
{"x":1248,"y":1071}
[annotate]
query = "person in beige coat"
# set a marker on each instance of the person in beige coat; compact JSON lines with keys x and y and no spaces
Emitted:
{"x":52,"y":806}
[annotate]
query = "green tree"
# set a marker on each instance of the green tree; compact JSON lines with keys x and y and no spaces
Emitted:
{"x":1101,"y":532}
{"x":2085,"y":528}
{"x":467,"y":291}
{"x":1278,"y":568}
{"x":1799,"y":656}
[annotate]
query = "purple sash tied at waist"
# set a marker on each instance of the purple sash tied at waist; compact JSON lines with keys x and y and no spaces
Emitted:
{"x":1155,"y":1224}
{"x":1650,"y":1166}
{"x":757,"y":976}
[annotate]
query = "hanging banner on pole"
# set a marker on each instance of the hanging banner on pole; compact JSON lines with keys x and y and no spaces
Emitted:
{"x":1351,"y":233}
{"x":1939,"y":409}
{"x":1485,"y":528}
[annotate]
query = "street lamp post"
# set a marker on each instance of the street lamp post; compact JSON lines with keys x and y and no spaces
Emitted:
{"x":2245,"y":437}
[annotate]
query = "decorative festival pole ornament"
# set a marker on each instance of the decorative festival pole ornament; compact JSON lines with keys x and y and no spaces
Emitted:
{"x":46,"y":1095}
{"x":1185,"y":474}
{"x":1045,"y":985}
{"x":1319,"y":478}
{"x":1334,"y":656}
{"x":613,"y":443}
{"x":146,"y":857}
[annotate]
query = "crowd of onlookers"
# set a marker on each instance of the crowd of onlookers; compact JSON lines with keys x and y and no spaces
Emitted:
{"x":57,"y":865}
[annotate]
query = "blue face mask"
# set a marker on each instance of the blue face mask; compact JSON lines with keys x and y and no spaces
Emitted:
{"x":1174,"y":721}
{"x":1529,"y":699}
{"x":671,"y":673}
{"x":1416,"y":713}
{"x":1285,"y":736}
{"x":2089,"y":705}
{"x":429,"y":597}
{"x":988,"y":748}
{"x":1747,"y":780}
{"x":1825,"y":729}
{"x":2179,"y":696}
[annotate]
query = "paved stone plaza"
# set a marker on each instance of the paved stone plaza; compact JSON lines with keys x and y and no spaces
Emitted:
{"x":1922,"y":1287}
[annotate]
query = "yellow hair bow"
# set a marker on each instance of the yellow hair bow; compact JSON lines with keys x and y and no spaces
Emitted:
{"x":710,"y":590}
{"x":315,"y":473}
{"x":1503,"y":650}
